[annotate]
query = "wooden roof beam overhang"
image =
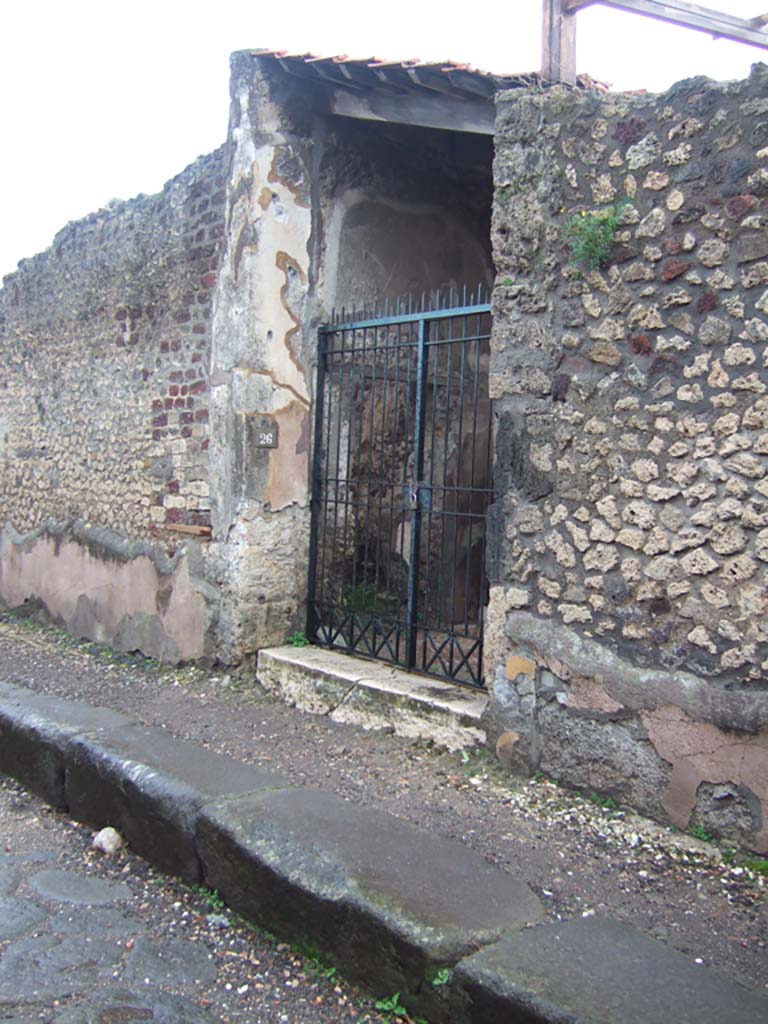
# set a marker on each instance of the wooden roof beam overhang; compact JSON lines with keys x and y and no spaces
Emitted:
{"x":395,"y":95}
{"x":559,"y":28}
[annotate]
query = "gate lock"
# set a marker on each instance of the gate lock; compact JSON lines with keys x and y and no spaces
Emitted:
{"x":419,"y":496}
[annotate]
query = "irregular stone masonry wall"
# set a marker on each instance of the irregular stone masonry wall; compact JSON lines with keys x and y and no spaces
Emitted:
{"x":632,"y":453}
{"x":104,"y":346}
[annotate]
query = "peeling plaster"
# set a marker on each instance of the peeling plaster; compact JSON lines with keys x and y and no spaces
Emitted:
{"x":703,"y":753}
{"x":105,"y":598}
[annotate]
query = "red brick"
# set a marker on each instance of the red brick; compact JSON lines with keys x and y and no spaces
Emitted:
{"x":739,"y":206}
{"x":675,"y":268}
{"x":161,"y":420}
{"x":201,"y":416}
{"x":707,"y":301}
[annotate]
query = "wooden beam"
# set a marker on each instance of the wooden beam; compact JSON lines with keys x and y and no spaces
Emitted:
{"x":678,"y":12}
{"x":572,"y":6}
{"x":196,"y":531}
{"x":423,"y":108}
{"x":558,"y":63}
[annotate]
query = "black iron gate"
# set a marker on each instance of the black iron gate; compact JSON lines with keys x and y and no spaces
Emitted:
{"x":401,"y":484}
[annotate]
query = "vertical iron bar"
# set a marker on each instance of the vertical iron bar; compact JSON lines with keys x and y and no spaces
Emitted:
{"x":361,"y":587}
{"x":348,"y":489}
{"x":337,"y":472}
{"x":472,"y":478}
{"x":381,"y":496}
{"x":429,"y":571}
{"x":327,"y":551}
{"x":418,"y":441}
{"x":446,"y":435}
{"x":317,"y":458}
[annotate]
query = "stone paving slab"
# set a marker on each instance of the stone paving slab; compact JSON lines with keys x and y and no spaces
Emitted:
{"x":35,"y":732}
{"x":126,"y":1007}
{"x":69,"y":887}
{"x":389,"y":902}
{"x":597,"y":971}
{"x":150,"y":786}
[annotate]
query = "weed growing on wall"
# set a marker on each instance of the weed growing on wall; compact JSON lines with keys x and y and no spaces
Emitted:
{"x":590,"y":236}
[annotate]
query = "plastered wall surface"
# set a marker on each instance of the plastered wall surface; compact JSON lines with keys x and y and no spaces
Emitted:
{"x":261,"y":370}
{"x":628,"y":554}
{"x":104,"y":413}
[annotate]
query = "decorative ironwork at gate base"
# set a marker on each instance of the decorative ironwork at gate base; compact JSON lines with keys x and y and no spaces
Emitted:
{"x":401,"y":485}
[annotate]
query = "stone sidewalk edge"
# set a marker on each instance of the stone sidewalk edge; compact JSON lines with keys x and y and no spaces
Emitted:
{"x":61,"y":749}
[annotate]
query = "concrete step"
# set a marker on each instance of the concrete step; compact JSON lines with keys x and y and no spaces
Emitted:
{"x":374,"y":695}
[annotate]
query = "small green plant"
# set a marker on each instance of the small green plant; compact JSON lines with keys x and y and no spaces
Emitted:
{"x":441,"y":978}
{"x":211,"y":897}
{"x":590,"y":236}
{"x":757,"y":864}
{"x":699,"y":832}
{"x":392,"y":1006}
{"x":603,"y":801}
{"x":316,"y":962}
{"x":297,"y":639}
{"x":364,"y":597}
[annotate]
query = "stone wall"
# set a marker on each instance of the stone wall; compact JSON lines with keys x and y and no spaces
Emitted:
{"x":627,"y":638}
{"x":104,"y":346}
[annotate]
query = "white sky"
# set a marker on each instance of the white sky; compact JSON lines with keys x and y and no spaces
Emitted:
{"x":103,"y":100}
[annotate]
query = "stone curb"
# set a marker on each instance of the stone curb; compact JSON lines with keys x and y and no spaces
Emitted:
{"x":394,"y":907}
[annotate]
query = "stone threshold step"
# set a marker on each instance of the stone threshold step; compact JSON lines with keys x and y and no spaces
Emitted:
{"x":393,"y":907}
{"x":374,"y":695}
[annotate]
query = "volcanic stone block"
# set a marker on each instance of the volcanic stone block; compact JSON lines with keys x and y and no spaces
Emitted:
{"x":596,"y":971}
{"x":36,"y":731}
{"x":150,"y":786}
{"x":388,"y":903}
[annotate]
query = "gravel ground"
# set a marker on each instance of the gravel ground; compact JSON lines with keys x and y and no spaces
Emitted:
{"x":580,"y":857}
